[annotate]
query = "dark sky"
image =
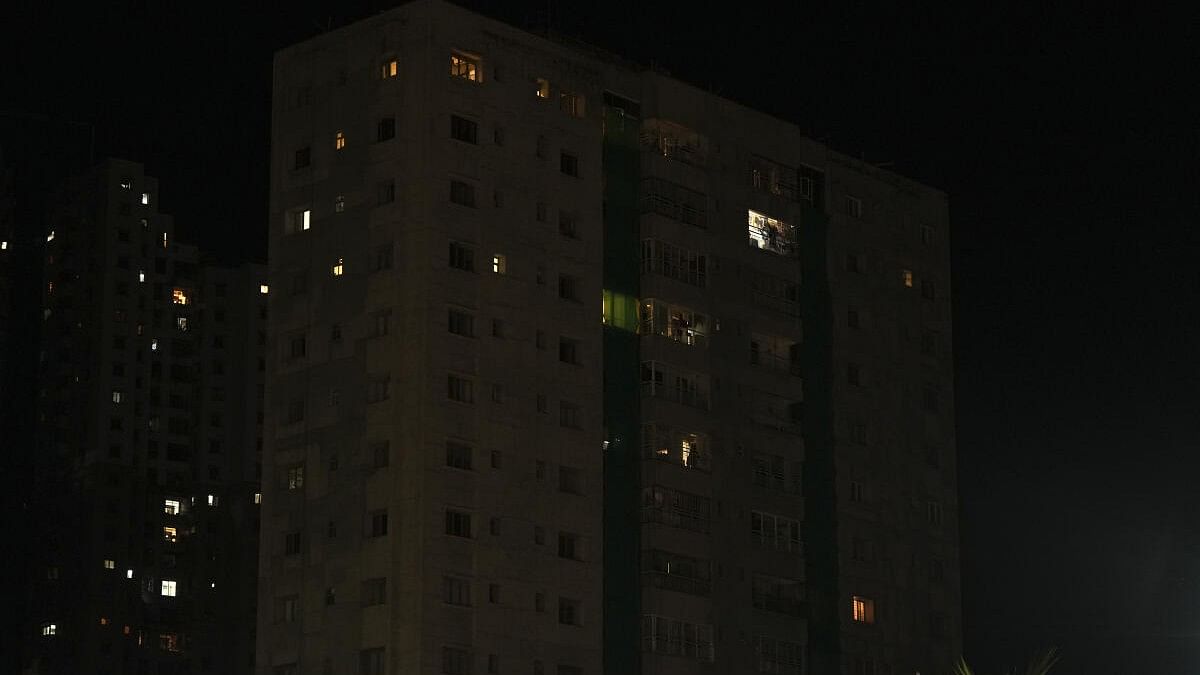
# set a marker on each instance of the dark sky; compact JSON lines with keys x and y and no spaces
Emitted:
{"x":1068,"y":143}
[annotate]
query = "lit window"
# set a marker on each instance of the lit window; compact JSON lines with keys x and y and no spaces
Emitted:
{"x":771,"y":234}
{"x":164,"y":240}
{"x":126,"y":184}
{"x":179,"y":296}
{"x":571,"y":104}
{"x":212,"y":500}
{"x":338,"y":268}
{"x":263,"y":288}
{"x":153,"y":344}
{"x":465,"y":66}
{"x":169,"y":642}
{"x":109,"y":564}
{"x":257,"y":497}
{"x":116,"y":397}
{"x":50,"y":237}
{"x":171,"y":507}
{"x":862,"y":609}
{"x":170,"y":535}
{"x":295,"y":478}
{"x":339,"y":141}
{"x":181,"y":323}
{"x":168,"y":588}
{"x":339,"y":203}
{"x":499,"y":264}
{"x":3,"y":245}
{"x":141,"y":276}
{"x":907,"y":277}
{"x":129,"y":573}
{"x":145,"y":198}
{"x":298,"y":220}
{"x":104,"y":621}
{"x":390,"y":69}
{"x":543,"y":88}
{"x":49,"y":629}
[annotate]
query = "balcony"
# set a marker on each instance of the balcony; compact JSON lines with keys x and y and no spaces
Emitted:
{"x":665,"y":382}
{"x":684,"y":520}
{"x":689,"y":451}
{"x":677,"y":582}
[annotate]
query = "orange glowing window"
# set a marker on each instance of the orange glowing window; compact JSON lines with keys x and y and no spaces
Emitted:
{"x":339,"y":141}
{"x":543,"y":88}
{"x":907,"y":277}
{"x":179,"y":296}
{"x":390,"y":69}
{"x":862,"y":609}
{"x":170,"y":534}
{"x":338,"y":268}
{"x":466,"y":67}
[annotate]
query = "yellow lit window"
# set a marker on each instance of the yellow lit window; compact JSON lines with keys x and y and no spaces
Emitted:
{"x":263,"y":288}
{"x":164,"y":240}
{"x":109,"y":564}
{"x":104,"y":621}
{"x":179,"y":296}
{"x":339,"y":141}
{"x":168,"y":588}
{"x":862,"y":609}
{"x":499,"y":264}
{"x":543,"y":88}
{"x":170,"y":534}
{"x":907,"y":277}
{"x":338,"y":268}
{"x":466,"y":66}
{"x":390,"y":69}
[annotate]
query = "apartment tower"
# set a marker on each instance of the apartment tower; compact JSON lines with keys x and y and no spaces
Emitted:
{"x":149,"y":416}
{"x":574,"y":368}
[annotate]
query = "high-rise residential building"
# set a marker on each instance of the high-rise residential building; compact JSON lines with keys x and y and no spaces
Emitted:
{"x":149,"y":418}
{"x":575,"y":368}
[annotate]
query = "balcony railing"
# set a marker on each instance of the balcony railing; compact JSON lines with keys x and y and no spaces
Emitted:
{"x":673,"y":518}
{"x":780,"y":362}
{"x":689,"y":397}
{"x":677,"y":582}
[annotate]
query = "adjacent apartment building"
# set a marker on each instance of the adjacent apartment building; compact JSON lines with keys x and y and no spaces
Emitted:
{"x":574,"y":368}
{"x":150,"y":384}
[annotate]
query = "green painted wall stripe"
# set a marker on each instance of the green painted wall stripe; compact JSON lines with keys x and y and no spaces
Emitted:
{"x":820,"y":525}
{"x":622,"y":406}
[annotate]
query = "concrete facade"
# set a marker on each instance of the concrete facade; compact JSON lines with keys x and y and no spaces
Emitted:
{"x":745,"y":465}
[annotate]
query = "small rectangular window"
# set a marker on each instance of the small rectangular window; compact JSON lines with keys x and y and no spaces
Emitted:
{"x":168,"y":588}
{"x":371,"y":662}
{"x":568,"y":164}
{"x":568,"y":612}
{"x":571,"y":104}
{"x":463,"y":129}
{"x":377,"y":524}
{"x":303,"y":158}
{"x":374,"y":591}
{"x":460,"y":389}
{"x":339,"y":140}
{"x":462,"y":257}
{"x":466,"y":67}
{"x":462,"y":193}
{"x":385,"y":129}
{"x":456,"y":661}
{"x":458,"y":524}
{"x":568,"y":287}
{"x":456,"y":591}
{"x":298,"y":220}
{"x":568,"y":415}
{"x":568,"y":350}
{"x":460,"y":323}
{"x":385,"y":192}
{"x":380,"y":454}
{"x":499,"y":264}
{"x":862,"y":610}
{"x":390,"y":69}
{"x":458,"y":455}
{"x":568,"y":480}
{"x":542,"y":88}
{"x":383,"y":257}
{"x":853,"y":207}
{"x":567,"y":224}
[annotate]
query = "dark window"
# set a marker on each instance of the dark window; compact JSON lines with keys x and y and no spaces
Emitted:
{"x":456,"y":591}
{"x":460,"y":323}
{"x":386,"y":129}
{"x":463,"y":129}
{"x":568,"y":612}
{"x":374,"y":591}
{"x":568,"y":287}
{"x":928,"y":289}
{"x":462,"y":257}
{"x":458,"y":455}
{"x":456,"y":661}
{"x":462,"y":193}
{"x":386,"y":192}
{"x":567,"y":225}
{"x":378,"y":524}
{"x":303,"y":158}
{"x":383,"y":257}
{"x":458,"y":524}
{"x":568,"y":480}
{"x":568,"y":350}
{"x":568,"y":546}
{"x":568,"y":415}
{"x":291,"y":543}
{"x":370,"y":662}
{"x":380,"y":454}
{"x":460,"y":389}
{"x":569,"y":164}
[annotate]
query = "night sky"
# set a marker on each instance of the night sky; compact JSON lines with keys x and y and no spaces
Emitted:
{"x":1068,"y":144}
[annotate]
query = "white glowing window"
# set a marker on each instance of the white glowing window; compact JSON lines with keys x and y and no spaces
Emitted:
{"x":153,"y":344}
{"x":257,"y":497}
{"x":164,"y":240}
{"x":141,"y":276}
{"x":499,"y":264}
{"x":168,"y":588}
{"x":465,"y":66}
{"x":298,"y":220}
{"x":263,"y":288}
{"x":338,"y":268}
{"x":109,"y":564}
{"x":390,"y":69}
{"x":339,"y":141}
{"x":3,"y":245}
{"x":181,"y":323}
{"x":339,"y":203}
{"x":50,"y":237}
{"x":212,"y":584}
{"x":126,"y":184}
{"x":116,"y":397}
{"x":145,"y":198}
{"x":171,"y":507}
{"x":49,"y":629}
{"x":170,"y":534}
{"x":212,"y":500}
{"x":129,"y":573}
